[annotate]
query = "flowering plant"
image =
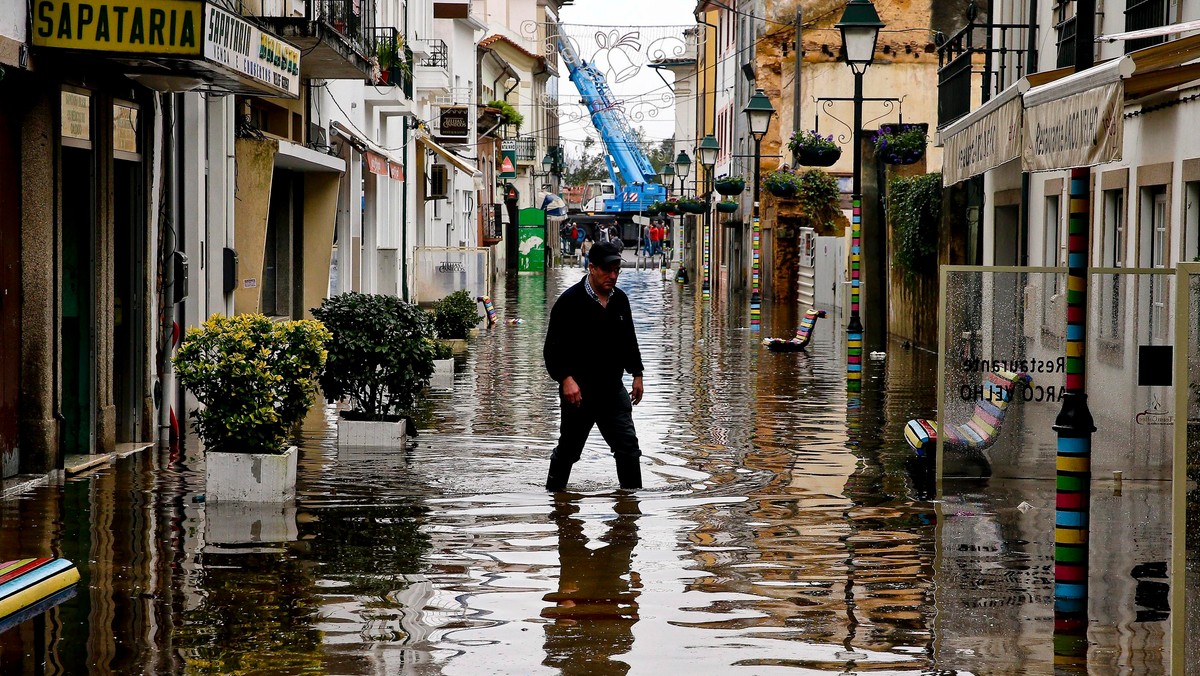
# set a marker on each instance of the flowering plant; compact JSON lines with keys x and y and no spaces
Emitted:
{"x":782,"y":183}
{"x":900,"y":143}
{"x":811,"y":140}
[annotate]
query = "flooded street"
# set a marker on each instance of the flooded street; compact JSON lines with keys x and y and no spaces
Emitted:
{"x":779,"y":532}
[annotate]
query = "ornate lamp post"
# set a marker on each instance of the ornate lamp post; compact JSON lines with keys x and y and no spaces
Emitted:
{"x":707,"y":153}
{"x":758,"y":113}
{"x":860,"y":26}
{"x":683,"y":167}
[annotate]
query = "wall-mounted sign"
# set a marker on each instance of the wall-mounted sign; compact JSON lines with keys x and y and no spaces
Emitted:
{"x":191,"y":38}
{"x":396,"y":171}
{"x":76,"y":116}
{"x":238,"y":44}
{"x":127,"y":26}
{"x":454,"y":122}
{"x":125,"y":128}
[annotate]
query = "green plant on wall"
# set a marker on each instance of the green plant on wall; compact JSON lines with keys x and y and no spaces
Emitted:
{"x":914,"y":206}
{"x":819,"y":197}
{"x":508,"y":113}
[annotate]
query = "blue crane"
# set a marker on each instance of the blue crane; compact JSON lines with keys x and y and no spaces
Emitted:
{"x":628,"y":167}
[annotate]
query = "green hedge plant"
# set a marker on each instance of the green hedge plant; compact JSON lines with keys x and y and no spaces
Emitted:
{"x":508,"y":114}
{"x":380,"y":355}
{"x":914,"y":207}
{"x":254,"y":378}
{"x":820,"y":199}
{"x":455,"y":315}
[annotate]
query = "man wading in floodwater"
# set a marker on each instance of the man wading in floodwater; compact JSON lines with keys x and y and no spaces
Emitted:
{"x":595,"y":312}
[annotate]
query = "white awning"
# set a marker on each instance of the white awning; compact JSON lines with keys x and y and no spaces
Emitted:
{"x":985,"y":138}
{"x":458,"y":162}
{"x":1155,"y":32}
{"x":299,"y":158}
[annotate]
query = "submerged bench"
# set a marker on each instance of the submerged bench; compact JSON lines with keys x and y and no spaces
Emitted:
{"x":29,"y":587}
{"x":803,"y":334}
{"x":981,"y":431}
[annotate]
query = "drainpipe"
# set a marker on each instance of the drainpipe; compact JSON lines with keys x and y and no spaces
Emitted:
{"x":166,"y":346}
{"x":404,"y":214}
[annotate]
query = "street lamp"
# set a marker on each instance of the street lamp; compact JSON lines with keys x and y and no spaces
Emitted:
{"x":547,"y":164}
{"x":668,"y":177}
{"x":707,"y":153}
{"x":758,"y":113}
{"x":683,"y":167}
{"x":860,"y":26}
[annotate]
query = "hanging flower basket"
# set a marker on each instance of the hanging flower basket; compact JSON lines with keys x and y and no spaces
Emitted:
{"x":901,"y":143}
{"x":727,"y":206}
{"x":818,"y":157}
{"x":814,"y":150}
{"x":671,"y":207}
{"x":693,"y":206}
{"x":654,"y":209}
{"x":730,"y":185}
{"x":783,"y":184}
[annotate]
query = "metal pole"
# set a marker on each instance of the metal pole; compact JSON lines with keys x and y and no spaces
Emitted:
{"x":796,"y":85}
{"x":756,"y":243}
{"x":1074,"y":424}
{"x":854,"y":330}
{"x":706,"y":248}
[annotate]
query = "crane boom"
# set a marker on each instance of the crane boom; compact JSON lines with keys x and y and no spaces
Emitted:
{"x":628,"y":166}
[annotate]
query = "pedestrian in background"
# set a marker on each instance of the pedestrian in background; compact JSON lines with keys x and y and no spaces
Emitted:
{"x":583,"y":251}
{"x":591,"y":391}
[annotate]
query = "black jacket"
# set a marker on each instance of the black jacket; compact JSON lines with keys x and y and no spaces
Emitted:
{"x":591,"y":343}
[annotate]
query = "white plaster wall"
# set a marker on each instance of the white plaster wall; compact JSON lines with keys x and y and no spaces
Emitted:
{"x":13,"y":19}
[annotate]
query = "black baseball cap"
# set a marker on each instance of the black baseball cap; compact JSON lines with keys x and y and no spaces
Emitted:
{"x":604,"y":253}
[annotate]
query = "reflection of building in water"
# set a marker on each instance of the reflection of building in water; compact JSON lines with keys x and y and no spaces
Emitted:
{"x":595,"y":607}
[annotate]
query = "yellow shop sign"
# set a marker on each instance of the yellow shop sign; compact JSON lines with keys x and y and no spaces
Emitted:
{"x":125,"y":26}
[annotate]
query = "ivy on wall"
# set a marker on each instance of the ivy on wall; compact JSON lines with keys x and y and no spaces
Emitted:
{"x":914,"y":206}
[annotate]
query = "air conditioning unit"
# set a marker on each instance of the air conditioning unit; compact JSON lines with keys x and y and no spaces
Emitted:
{"x":438,"y":182}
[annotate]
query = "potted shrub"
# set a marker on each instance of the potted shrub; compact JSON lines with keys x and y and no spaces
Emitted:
{"x":380,"y":358}
{"x":254,"y":379}
{"x":782,"y":183}
{"x":813,"y":150}
{"x":508,"y":114}
{"x":453,"y":318}
{"x":901,"y":143}
{"x":391,"y":65}
{"x":730,"y":185}
{"x":820,"y":198}
{"x":727,"y":206}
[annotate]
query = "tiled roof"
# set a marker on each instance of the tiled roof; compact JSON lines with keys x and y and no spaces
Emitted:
{"x":490,"y":40}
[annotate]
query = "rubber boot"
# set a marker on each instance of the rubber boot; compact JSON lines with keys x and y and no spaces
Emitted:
{"x":559,"y":474}
{"x":629,"y":472}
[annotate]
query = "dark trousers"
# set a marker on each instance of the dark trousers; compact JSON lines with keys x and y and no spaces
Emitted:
{"x":611,"y":410}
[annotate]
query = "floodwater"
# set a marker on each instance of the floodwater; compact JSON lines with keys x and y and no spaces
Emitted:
{"x":780,"y":531}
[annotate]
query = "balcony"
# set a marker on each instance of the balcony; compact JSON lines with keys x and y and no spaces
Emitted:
{"x":491,"y":223}
{"x":433,"y":71}
{"x":335,"y":37}
{"x":999,"y":61}
{"x":1141,"y":14}
{"x":527,"y":151}
{"x":393,"y":61}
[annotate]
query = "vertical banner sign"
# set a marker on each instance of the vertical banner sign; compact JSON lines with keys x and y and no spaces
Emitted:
{"x":508,"y":159}
{"x":1079,"y":130}
{"x":377,"y":164}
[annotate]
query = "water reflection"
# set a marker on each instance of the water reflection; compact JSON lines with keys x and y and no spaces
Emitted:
{"x":594,"y":610}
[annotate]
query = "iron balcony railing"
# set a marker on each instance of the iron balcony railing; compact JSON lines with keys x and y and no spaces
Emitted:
{"x":1005,"y":57}
{"x":393,"y":57}
{"x":1141,"y":14}
{"x":439,"y":55}
{"x":527,"y":150}
{"x":354,"y":19}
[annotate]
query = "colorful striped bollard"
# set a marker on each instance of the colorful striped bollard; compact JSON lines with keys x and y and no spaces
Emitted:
{"x":854,"y":331}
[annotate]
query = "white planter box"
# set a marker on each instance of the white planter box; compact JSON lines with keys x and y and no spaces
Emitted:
{"x":250,"y":477}
{"x":237,"y":523}
{"x":369,"y":433}
{"x":443,"y":374}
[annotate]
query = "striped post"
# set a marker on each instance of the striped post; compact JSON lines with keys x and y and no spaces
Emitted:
{"x":705,"y":290}
{"x":854,"y":331}
{"x":1074,"y":426}
{"x":756,"y":274}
